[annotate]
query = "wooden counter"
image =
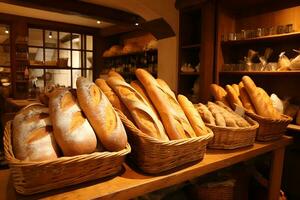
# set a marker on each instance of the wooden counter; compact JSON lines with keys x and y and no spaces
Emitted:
{"x":131,"y":183}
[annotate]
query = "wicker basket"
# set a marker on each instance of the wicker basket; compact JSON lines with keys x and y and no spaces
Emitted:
{"x":34,"y":177}
{"x":270,"y":129}
{"x":231,"y":137}
{"x":216,"y":191}
{"x":154,"y":156}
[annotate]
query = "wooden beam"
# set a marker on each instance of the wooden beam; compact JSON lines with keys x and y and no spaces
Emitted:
{"x":80,"y":8}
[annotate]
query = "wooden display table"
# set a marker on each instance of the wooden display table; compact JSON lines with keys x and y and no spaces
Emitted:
{"x":131,"y":183}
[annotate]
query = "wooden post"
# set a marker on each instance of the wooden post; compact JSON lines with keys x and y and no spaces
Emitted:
{"x":275,"y":174}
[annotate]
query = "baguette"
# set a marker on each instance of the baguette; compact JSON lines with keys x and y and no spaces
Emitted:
{"x":32,"y":134}
{"x":115,"y":74}
{"x":218,"y":93}
{"x":230,"y":122}
{"x":165,"y":87}
{"x":72,"y":130}
{"x":236,"y":88}
{"x":232,"y":97}
{"x":192,"y":115}
{"x":205,"y":114}
{"x":259,"y":99}
{"x":174,"y":120}
{"x":101,"y":115}
{"x":245,"y":99}
{"x":220,"y":120}
{"x":112,"y":97}
{"x":141,"y":111}
{"x":141,"y":90}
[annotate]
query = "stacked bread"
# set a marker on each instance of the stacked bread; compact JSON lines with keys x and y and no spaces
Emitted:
{"x":246,"y":94}
{"x":154,"y":108}
{"x":72,"y":122}
{"x":219,"y":114}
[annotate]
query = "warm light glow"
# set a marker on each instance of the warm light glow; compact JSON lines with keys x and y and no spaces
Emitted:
{"x":50,"y":35}
{"x":6,"y":31}
{"x":136,"y":24}
{"x":98,"y":22}
{"x":76,"y":40}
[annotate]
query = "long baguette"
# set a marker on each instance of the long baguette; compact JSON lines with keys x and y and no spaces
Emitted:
{"x":218,"y":93}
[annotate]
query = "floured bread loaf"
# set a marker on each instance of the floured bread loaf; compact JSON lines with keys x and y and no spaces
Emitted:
{"x":32,"y":135}
{"x":205,"y":114}
{"x":101,"y":115}
{"x":72,"y":130}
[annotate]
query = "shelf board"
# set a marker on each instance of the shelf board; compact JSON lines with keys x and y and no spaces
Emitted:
{"x":263,"y":38}
{"x":297,"y":73}
{"x":190,"y":46}
{"x":189,"y":73}
{"x":293,"y":127}
{"x":131,"y":54}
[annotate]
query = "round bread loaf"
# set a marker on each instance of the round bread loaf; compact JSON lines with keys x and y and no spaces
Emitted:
{"x":32,"y":134}
{"x":72,"y":130}
{"x":101,"y":115}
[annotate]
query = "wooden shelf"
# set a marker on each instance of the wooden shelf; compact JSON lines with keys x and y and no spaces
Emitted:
{"x":131,"y":183}
{"x":292,"y":73}
{"x":268,"y":38}
{"x":132,"y":54}
{"x":191,"y":46}
{"x":293,"y":127}
{"x":189,"y":73}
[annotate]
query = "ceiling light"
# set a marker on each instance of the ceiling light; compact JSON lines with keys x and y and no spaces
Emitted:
{"x":98,"y":22}
{"x":6,"y":31}
{"x":50,"y":35}
{"x":136,"y":24}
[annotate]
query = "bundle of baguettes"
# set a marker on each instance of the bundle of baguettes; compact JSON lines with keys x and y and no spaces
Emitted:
{"x":218,"y":114}
{"x":246,"y":94}
{"x":154,"y":108}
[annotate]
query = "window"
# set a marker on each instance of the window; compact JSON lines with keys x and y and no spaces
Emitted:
{"x":58,"y":57}
{"x":5,"y":65}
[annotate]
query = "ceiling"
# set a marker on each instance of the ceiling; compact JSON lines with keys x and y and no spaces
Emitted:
{"x":51,"y":16}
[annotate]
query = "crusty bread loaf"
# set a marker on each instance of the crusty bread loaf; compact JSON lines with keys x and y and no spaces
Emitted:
{"x":236,"y":88}
{"x":245,"y":99}
{"x":205,"y":114}
{"x":115,"y":74}
{"x":233,"y":97}
{"x":218,"y":93}
{"x":192,"y":115}
{"x":32,"y":134}
{"x":144,"y":117}
{"x":141,"y":90}
{"x":230,"y":122}
{"x":112,"y":97}
{"x":259,"y":99}
{"x":71,"y":129}
{"x":174,"y":120}
{"x":239,"y":120}
{"x":101,"y":115}
{"x":165,"y":87}
{"x":220,"y":120}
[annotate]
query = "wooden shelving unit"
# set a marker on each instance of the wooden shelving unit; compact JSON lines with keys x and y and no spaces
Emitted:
{"x":261,"y":73}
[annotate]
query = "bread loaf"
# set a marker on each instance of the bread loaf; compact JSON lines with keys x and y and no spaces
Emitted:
{"x":192,"y":115}
{"x":220,"y":120}
{"x":144,"y":117}
{"x":232,"y":97}
{"x":205,"y":114}
{"x":165,"y":87}
{"x":112,"y":97}
{"x":32,"y":135}
{"x":236,"y":88}
{"x":72,"y":130}
{"x":100,"y":113}
{"x":218,"y":93}
{"x":245,"y":99}
{"x":115,"y":74}
{"x":230,"y":122}
{"x":262,"y":103}
{"x":174,"y":120}
{"x":141,"y":90}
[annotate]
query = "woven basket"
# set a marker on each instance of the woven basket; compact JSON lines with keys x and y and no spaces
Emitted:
{"x":154,"y":156}
{"x":233,"y":137}
{"x":270,"y":129}
{"x":216,"y":191}
{"x":34,"y":177}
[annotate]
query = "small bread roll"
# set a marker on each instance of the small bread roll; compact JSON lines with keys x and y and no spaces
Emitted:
{"x":32,"y":135}
{"x":245,"y":99}
{"x":174,"y":120}
{"x":115,"y":74}
{"x":261,"y":101}
{"x":233,"y":97}
{"x":144,"y":117}
{"x":218,"y":93}
{"x":101,"y":115}
{"x":112,"y":97}
{"x":205,"y":114}
{"x":192,"y":115}
{"x":72,"y":130}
